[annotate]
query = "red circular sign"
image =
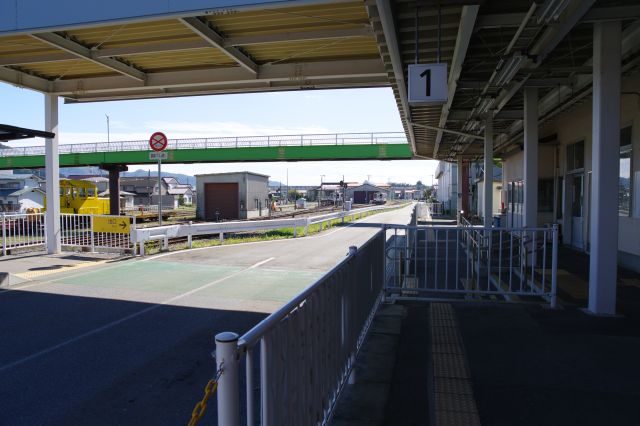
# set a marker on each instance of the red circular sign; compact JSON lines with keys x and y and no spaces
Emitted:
{"x":158,"y":141}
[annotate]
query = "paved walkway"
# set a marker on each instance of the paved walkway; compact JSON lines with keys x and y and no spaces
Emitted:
{"x":129,"y":342}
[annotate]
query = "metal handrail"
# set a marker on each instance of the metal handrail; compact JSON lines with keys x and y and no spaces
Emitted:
{"x":251,"y":337}
{"x":376,"y":138}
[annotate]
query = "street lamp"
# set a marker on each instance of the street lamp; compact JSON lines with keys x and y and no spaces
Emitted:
{"x":108,"y":138}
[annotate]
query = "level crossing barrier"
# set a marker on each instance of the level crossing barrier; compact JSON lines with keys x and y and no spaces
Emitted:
{"x":166,"y":233}
{"x":470,"y":262}
{"x":298,"y":359}
{"x":378,"y":138}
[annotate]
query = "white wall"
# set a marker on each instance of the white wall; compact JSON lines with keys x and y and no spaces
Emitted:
{"x":33,"y":199}
{"x":574,"y":126}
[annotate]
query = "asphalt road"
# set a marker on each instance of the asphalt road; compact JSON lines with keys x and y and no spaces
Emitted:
{"x":130,"y":342}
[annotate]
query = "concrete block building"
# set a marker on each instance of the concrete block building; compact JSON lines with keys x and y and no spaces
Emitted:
{"x":229,"y":196}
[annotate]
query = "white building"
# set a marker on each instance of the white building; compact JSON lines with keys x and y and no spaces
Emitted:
{"x":19,"y":192}
{"x":447,"y":176}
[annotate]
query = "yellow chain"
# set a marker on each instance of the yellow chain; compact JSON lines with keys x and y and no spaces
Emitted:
{"x":201,"y":406}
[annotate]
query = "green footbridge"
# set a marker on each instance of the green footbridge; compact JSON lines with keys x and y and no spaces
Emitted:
{"x":319,"y":147}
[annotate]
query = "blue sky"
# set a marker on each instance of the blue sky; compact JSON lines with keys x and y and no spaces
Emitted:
{"x":320,"y":111}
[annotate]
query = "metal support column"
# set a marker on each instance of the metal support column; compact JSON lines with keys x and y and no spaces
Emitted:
{"x":488,"y":172}
{"x":531,"y":157}
{"x":114,"y":186}
{"x":459,"y":186}
{"x":606,"y":166}
{"x":52,"y":173}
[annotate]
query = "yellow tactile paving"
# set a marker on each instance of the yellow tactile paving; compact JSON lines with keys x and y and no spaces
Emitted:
{"x":454,"y":401}
{"x":30,"y":275}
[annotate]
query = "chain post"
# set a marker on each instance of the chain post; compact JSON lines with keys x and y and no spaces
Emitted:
{"x":228,"y":383}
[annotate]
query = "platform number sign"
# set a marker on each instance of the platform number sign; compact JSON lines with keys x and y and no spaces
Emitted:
{"x":428,"y":84}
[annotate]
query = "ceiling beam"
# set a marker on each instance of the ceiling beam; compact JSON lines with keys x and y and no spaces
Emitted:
{"x":35,"y":58}
{"x":363,"y":31}
{"x":391,"y":41}
{"x":212,"y":37}
{"x":200,"y":43}
{"x":466,"y":114}
{"x":299,"y":73}
{"x":467,"y":22}
{"x":24,"y":80}
{"x":249,"y":87}
{"x":84,"y":52}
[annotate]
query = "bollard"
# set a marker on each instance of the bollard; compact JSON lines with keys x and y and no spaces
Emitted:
{"x":352,"y":250}
{"x":228,"y":390}
{"x":295,"y":231}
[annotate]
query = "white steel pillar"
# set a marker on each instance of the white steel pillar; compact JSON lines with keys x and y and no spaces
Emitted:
{"x":488,"y":172}
{"x":459,"y":186}
{"x":531,"y":157}
{"x":52,"y":173}
{"x":605,"y":154}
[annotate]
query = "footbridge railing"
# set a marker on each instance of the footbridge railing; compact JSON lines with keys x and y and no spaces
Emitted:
{"x":220,"y":142}
{"x":298,"y":359}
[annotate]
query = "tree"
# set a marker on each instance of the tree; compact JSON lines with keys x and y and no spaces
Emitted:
{"x":419,"y":185}
{"x":294,"y":195}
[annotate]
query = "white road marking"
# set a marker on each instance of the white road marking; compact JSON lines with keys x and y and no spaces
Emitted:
{"x":127,"y":318}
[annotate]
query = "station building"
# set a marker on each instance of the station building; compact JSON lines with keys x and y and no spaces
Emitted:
{"x":229,"y":196}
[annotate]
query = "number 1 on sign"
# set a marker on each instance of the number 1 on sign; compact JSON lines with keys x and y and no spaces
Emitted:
{"x":427,"y":75}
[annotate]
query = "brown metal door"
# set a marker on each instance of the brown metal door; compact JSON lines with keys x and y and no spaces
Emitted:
{"x":223,"y":198}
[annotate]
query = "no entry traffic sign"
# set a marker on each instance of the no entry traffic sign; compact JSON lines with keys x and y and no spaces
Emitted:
{"x":158,"y":141}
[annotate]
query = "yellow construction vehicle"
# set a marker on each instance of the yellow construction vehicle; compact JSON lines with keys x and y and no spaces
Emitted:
{"x":81,"y":197}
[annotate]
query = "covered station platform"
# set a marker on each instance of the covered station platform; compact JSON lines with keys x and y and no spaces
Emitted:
{"x":550,"y":88}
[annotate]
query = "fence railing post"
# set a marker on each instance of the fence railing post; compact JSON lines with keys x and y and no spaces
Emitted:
{"x":554,"y":267}
{"x":134,"y":235}
{"x":189,"y":236}
{"x":228,"y":382}
{"x":4,"y":235}
{"x":93,"y":247}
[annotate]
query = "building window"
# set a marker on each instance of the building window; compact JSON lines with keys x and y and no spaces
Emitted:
{"x":575,"y":156}
{"x":545,"y":196}
{"x":624,"y":182}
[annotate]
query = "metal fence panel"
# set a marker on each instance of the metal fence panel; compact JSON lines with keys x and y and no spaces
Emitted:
{"x":22,"y":230}
{"x":471,"y":262}
{"x":307,"y":348}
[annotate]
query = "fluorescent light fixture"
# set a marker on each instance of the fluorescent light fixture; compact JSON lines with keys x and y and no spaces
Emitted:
{"x":509,"y":69}
{"x":484,"y":105}
{"x":551,"y":10}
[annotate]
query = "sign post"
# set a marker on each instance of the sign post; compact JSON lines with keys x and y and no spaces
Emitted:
{"x":158,"y":143}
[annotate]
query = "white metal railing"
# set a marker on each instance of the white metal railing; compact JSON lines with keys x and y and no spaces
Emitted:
{"x":429,"y":261}
{"x":80,"y":231}
{"x":429,"y":209}
{"x":220,"y":142}
{"x":166,"y":233}
{"x":22,"y":230}
{"x":298,"y":359}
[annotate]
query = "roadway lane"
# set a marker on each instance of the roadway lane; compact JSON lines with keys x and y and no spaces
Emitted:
{"x":129,"y":342}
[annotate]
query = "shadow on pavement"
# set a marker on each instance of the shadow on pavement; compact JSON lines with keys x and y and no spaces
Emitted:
{"x":78,"y":360}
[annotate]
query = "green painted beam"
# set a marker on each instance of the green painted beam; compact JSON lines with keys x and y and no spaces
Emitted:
{"x":221,"y":155}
